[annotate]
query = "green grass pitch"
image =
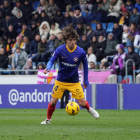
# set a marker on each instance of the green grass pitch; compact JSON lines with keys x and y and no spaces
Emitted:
{"x":24,"y":124}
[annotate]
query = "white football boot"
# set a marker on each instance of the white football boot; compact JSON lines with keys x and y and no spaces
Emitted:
{"x":46,"y":122}
{"x":94,"y":113}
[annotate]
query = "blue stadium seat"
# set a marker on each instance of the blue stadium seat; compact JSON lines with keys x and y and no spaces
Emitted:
{"x":63,"y":13}
{"x":130,"y":78}
{"x":110,"y":27}
{"x":104,"y":25}
{"x":89,"y":13}
{"x":136,"y":50}
{"x":119,"y":78}
{"x":84,"y":14}
{"x":139,"y":52}
{"x":99,"y":63}
{"x":36,"y":4}
{"x":34,"y":63}
{"x":126,"y":50}
{"x":41,"y":62}
{"x":93,"y":25}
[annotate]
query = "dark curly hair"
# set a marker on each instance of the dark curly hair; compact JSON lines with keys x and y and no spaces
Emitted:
{"x":68,"y":32}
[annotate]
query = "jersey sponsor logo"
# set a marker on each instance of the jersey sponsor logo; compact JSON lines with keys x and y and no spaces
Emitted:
{"x":63,"y":57}
{"x":70,"y":65}
{"x":75,"y":59}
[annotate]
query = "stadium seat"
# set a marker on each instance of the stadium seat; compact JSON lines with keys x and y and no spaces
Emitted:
{"x":126,"y":50}
{"x":41,"y":62}
{"x":34,"y":63}
{"x":36,"y":4}
{"x":110,"y":27}
{"x":84,"y":14}
{"x":119,"y":78}
{"x":99,"y":63}
{"x":89,"y":13}
{"x":63,"y":13}
{"x":104,"y":25}
{"x":93,"y":25}
{"x":136,"y":50}
{"x":130,"y":78}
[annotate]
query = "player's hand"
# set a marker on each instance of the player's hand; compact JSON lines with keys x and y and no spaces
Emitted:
{"x":46,"y":71}
{"x":84,"y":85}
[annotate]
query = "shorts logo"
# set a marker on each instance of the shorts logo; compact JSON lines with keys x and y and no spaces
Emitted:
{"x":75,"y":59}
{"x":77,"y":90}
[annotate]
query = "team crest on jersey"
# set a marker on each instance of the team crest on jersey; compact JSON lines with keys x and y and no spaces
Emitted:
{"x":75,"y":59}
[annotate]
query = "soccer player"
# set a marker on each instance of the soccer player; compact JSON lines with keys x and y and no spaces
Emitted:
{"x":70,"y":55}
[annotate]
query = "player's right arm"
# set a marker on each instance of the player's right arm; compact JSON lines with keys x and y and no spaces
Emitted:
{"x":52,"y":60}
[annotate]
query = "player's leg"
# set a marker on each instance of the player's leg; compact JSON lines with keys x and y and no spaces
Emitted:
{"x":84,"y":104}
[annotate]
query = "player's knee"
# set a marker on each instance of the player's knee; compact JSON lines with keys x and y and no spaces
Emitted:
{"x":53,"y":101}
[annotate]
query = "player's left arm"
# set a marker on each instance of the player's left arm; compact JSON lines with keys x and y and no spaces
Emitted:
{"x":85,"y":66}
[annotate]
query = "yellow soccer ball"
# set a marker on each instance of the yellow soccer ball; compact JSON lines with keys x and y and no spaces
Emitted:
{"x":72,"y":108}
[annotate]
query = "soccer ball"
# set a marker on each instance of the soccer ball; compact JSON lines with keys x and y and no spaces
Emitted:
{"x":72,"y":108}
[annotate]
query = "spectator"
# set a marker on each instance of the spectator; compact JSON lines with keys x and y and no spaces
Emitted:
{"x":34,"y":47}
{"x":36,"y":18}
{"x":70,"y":3}
{"x":33,"y":31}
{"x":67,"y":19}
{"x":41,"y":66}
{"x":102,"y":63}
{"x":119,"y":59}
{"x":8,"y":46}
{"x":114,"y":9}
{"x":28,"y":66}
{"x":117,"y":31}
{"x":42,"y":6}
{"x":27,"y":10}
{"x":124,"y":20}
{"x":19,"y":60}
{"x":84,"y":6}
{"x":80,"y":29}
{"x":54,"y":29}
{"x":135,"y":57}
{"x":49,"y":49}
{"x":66,"y":95}
{"x":93,"y":66}
{"x":44,"y":29}
{"x":10,"y":32}
{"x":59,"y":17}
{"x":111,"y":45}
{"x":106,"y":65}
{"x":24,"y":31}
{"x":1,"y":23}
{"x":100,"y":48}
{"x":134,"y":17}
{"x":78,"y":17}
{"x":59,"y":41}
{"x":93,"y":42}
{"x":88,"y":31}
{"x":129,"y":6}
{"x":90,"y":57}
{"x":137,"y":5}
{"x":132,"y":34}
{"x":44,"y":17}
{"x":122,"y":8}
{"x":51,"y":9}
{"x":99,"y":31}
{"x":17,"y":7}
{"x":18,"y":21}
{"x":125,"y":34}
{"x":3,"y":60}
{"x":84,"y":43}
{"x":41,"y":48}
{"x":26,"y":44}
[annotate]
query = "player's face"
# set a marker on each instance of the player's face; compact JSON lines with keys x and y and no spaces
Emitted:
{"x":71,"y":42}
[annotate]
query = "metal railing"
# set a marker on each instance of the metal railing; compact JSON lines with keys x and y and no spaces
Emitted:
{"x":126,"y":70}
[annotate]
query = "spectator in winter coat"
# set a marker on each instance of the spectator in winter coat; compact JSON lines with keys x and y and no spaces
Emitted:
{"x":135,"y":57}
{"x":93,"y":42}
{"x":1,"y":18}
{"x":10,"y":32}
{"x":78,"y":17}
{"x":137,"y":5}
{"x":100,"y":48}
{"x":44,"y":29}
{"x":111,"y":45}
{"x":18,"y":21}
{"x":90,"y":56}
{"x":84,"y":6}
{"x":51,"y":9}
{"x":134,"y":17}
{"x":27,"y":10}
{"x":67,"y":19}
{"x":41,"y":48}
{"x":19,"y":60}
{"x":34,"y":47}
{"x":59,"y":41}
{"x":44,"y":17}
{"x":26,"y":44}
{"x":36,"y":18}
{"x":41,"y":6}
{"x":88,"y":31}
{"x":114,"y":9}
{"x":33,"y":31}
{"x":3,"y":59}
{"x":80,"y":29}
{"x":125,"y":34}
{"x":117,"y":31}
{"x":49,"y":49}
{"x":24,"y":31}
{"x":129,"y":5}
{"x":54,"y":29}
{"x":84,"y":43}
{"x":99,"y":31}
